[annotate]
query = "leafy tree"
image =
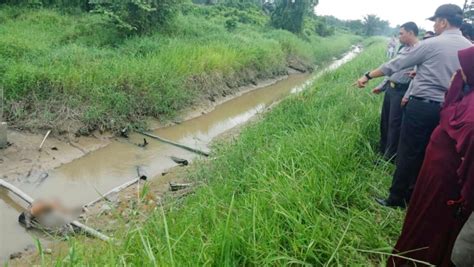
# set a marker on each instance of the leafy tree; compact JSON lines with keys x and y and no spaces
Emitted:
{"x":469,"y":10}
{"x":322,"y":28}
{"x":64,"y":4}
{"x":137,"y":16}
{"x":373,"y":25}
{"x":290,"y":14}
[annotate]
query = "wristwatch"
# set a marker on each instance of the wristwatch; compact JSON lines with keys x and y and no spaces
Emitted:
{"x":367,"y":75}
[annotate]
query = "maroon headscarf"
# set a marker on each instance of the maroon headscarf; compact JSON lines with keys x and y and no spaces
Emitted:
{"x":466,"y":58}
{"x":455,"y":92}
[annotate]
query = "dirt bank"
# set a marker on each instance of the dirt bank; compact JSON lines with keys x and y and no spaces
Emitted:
{"x":22,"y":160}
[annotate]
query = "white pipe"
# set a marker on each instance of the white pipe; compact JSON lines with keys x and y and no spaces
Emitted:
{"x":197,"y":151}
{"x":115,"y":190}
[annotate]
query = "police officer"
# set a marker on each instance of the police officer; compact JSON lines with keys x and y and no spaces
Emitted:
{"x":395,"y":88}
{"x":436,"y":60}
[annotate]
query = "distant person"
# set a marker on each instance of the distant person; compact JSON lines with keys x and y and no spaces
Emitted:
{"x":436,"y":60}
{"x":395,"y":88}
{"x":391,"y":48}
{"x":444,"y":194}
{"x":428,"y":35}
{"x":468,"y":31}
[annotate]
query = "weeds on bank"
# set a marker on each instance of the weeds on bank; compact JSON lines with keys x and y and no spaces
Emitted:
{"x":72,"y":73}
{"x":296,"y":188}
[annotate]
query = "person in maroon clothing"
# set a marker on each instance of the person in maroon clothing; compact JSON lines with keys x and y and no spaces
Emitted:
{"x":444,"y":193}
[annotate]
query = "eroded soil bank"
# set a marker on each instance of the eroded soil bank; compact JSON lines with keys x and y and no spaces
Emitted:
{"x":90,"y":174}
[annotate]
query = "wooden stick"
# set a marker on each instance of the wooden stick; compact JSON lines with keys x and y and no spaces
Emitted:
{"x":44,"y":139}
{"x":197,"y":151}
{"x":30,"y":201}
{"x":115,"y":190}
{"x":141,"y":176}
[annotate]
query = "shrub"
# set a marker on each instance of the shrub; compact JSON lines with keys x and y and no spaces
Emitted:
{"x":137,"y":16}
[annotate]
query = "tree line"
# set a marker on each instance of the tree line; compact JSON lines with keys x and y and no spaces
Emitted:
{"x":135,"y":17}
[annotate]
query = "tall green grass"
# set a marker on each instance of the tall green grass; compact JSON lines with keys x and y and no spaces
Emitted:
{"x":73,"y":72}
{"x":297,"y":188}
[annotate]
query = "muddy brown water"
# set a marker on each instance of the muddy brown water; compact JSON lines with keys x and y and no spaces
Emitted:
{"x":85,"y":179}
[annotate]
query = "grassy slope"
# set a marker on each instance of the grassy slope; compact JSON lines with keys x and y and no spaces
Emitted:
{"x":297,"y":188}
{"x":62,"y":69}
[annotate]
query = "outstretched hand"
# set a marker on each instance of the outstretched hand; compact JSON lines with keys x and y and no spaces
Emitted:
{"x":377,"y":90}
{"x":361,"y":82}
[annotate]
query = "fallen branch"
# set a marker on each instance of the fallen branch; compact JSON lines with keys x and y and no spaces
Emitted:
{"x":197,"y":151}
{"x":30,"y":201}
{"x":44,"y":139}
{"x":141,"y":176}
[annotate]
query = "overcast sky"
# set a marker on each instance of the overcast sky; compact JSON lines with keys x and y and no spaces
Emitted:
{"x":396,"y":12}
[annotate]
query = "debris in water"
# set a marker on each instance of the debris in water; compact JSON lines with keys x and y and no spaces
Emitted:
{"x":144,"y":144}
{"x":16,"y":255}
{"x":41,"y":178}
{"x":177,"y":186}
{"x":180,"y":161}
{"x":141,"y":173}
{"x":54,"y":148}
{"x":124,"y":132}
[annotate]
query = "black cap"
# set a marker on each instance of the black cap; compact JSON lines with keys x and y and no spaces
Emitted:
{"x":447,"y":11}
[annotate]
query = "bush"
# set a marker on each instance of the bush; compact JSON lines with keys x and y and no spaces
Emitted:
{"x":289,"y":14}
{"x":78,"y":62}
{"x":322,"y":30}
{"x":137,"y":16}
{"x":231,"y":24}
{"x":64,"y":4}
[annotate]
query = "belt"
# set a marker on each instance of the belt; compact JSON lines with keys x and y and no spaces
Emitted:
{"x":399,"y":86}
{"x":426,"y":100}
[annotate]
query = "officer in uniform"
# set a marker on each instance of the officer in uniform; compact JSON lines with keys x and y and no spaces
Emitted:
{"x":395,"y":88}
{"x":436,"y":60}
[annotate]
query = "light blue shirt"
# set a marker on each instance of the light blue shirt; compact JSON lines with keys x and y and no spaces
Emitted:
{"x":436,"y":60}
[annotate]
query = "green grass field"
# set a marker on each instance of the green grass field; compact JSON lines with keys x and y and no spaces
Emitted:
{"x":296,"y":188}
{"x":71,"y":72}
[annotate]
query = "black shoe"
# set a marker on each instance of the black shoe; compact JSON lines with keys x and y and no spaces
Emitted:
{"x":390,"y":203}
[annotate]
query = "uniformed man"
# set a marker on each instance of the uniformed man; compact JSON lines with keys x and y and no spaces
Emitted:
{"x":436,"y":60}
{"x":395,"y":88}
